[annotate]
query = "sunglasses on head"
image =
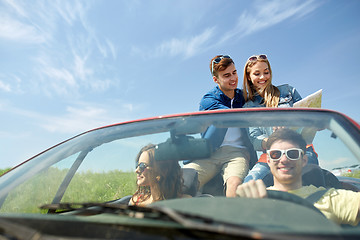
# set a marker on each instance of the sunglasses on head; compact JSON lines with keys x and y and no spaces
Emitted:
{"x":142,"y":166}
{"x":257,"y":57}
{"x":292,"y":154}
{"x":217,"y":60}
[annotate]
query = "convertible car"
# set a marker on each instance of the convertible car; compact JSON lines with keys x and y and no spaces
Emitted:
{"x":80,"y":188}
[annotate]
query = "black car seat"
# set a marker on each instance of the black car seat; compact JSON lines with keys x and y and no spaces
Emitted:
{"x":215,"y":186}
{"x":191,"y":182}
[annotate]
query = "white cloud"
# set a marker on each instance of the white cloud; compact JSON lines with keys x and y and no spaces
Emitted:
{"x":128,"y":106}
{"x":58,"y":80}
{"x":16,"y":6}
{"x":112,"y":48}
{"x":264,"y":14}
{"x":102,"y":49}
{"x":268,"y":14}
{"x":76,"y":118}
{"x":83,"y":117}
{"x":68,"y":12}
{"x":80,"y":68}
{"x":100,"y":85}
{"x":13,"y":29}
{"x":62,"y":63}
{"x":5,"y":87}
{"x":106,"y":47}
{"x":186,"y":47}
{"x":70,"y":75}
{"x":11,"y":83}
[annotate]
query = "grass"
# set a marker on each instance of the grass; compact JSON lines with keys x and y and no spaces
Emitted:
{"x":355,"y":174}
{"x":2,"y":171}
{"x":84,"y":187}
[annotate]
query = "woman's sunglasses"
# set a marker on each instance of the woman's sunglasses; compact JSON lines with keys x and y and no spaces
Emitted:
{"x":217,"y":60}
{"x":257,"y":57}
{"x":142,"y":166}
{"x":292,"y":154}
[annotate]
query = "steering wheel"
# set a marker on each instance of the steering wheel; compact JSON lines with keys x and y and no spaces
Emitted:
{"x":285,"y":196}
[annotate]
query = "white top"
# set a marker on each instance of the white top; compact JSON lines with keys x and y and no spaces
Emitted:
{"x":233,"y":136}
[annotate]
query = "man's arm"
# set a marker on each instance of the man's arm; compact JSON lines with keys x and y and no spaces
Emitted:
{"x":252,"y":189}
{"x":211,"y":102}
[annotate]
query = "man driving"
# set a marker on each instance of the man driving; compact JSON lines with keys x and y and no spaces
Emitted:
{"x":285,"y":156}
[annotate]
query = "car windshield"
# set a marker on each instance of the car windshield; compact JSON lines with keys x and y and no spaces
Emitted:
{"x":99,"y":166}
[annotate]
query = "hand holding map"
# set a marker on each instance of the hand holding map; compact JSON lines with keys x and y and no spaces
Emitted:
{"x":311,"y":101}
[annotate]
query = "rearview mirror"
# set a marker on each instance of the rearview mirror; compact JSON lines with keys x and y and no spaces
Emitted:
{"x":182,"y":148}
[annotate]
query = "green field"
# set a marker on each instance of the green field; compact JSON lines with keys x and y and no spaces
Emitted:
{"x":84,"y":187}
{"x":4,"y":170}
{"x":355,"y":174}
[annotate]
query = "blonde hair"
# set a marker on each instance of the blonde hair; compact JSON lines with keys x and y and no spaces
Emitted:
{"x":271,"y":93}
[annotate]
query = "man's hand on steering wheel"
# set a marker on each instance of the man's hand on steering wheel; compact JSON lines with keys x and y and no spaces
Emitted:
{"x":257,"y":189}
{"x":252,"y":189}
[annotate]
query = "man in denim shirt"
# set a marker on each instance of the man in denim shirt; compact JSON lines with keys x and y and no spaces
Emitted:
{"x":231,"y":153}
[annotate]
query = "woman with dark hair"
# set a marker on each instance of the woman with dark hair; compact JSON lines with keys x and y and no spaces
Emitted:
{"x":156,"y":180}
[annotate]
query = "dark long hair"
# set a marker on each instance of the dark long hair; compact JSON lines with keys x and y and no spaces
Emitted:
{"x":166,"y":176}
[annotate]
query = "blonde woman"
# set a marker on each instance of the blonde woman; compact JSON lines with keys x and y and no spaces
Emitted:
{"x":258,"y":91}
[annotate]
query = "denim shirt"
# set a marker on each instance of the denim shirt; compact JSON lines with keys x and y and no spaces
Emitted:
{"x":288,"y":96}
{"x":216,"y":99}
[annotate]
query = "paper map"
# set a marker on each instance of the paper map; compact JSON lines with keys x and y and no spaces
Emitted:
{"x":311,"y":101}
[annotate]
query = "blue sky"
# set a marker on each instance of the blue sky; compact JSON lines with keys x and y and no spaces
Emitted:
{"x":69,"y":66}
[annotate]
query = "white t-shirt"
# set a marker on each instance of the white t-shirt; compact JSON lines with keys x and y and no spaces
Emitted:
{"x":339,"y":205}
{"x":233,"y":136}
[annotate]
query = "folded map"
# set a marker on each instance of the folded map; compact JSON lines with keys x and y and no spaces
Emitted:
{"x":311,"y":101}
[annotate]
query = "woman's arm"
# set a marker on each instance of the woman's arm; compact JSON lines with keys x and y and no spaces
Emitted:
{"x":257,"y":136}
{"x":296,"y":95}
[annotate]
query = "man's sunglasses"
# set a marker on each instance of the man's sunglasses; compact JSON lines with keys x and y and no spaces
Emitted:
{"x":142,"y":166}
{"x":217,"y":60}
{"x":257,"y":57}
{"x":292,"y":154}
